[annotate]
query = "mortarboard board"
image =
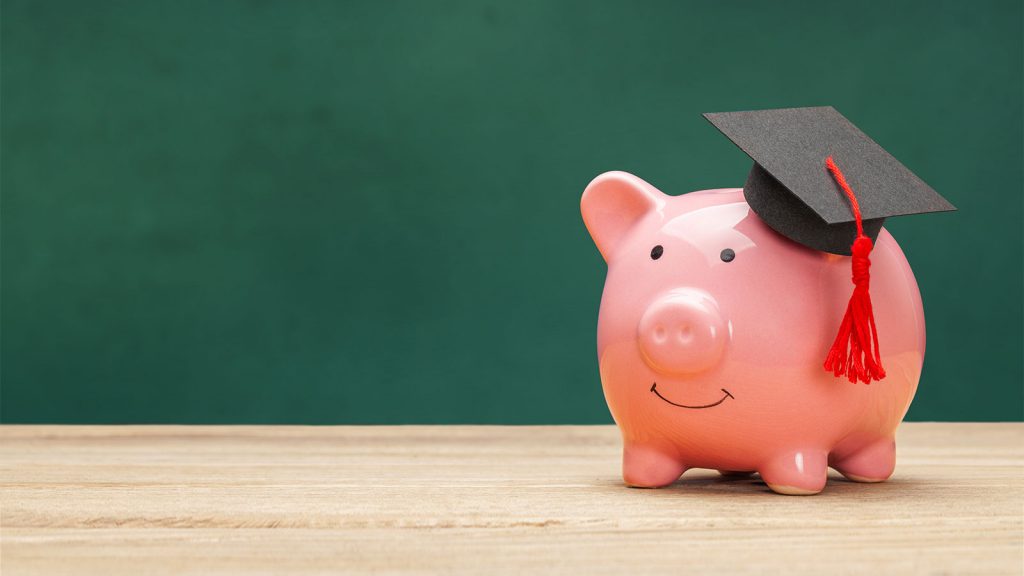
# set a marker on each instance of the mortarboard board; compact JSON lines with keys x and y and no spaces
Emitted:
{"x":791,"y":190}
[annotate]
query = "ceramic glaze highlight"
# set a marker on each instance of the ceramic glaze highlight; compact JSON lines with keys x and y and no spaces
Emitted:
{"x":712,"y":360}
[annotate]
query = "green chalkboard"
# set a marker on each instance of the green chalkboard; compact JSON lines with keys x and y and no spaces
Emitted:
{"x":368,"y":212}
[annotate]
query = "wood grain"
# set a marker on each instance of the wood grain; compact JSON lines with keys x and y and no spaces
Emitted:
{"x":466,"y":499}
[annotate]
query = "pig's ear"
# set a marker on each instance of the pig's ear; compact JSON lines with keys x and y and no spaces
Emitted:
{"x":612,"y":204}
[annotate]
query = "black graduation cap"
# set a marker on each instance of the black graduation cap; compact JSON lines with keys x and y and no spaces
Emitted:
{"x":790,"y":188}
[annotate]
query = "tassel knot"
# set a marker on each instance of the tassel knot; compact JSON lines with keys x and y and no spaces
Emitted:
{"x":860,"y":262}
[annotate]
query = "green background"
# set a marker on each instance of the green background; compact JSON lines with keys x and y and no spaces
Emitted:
{"x":368,"y":212}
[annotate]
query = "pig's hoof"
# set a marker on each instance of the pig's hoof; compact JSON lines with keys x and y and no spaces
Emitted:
{"x":793,"y":490}
{"x":872,"y":463}
{"x":797,"y":473}
{"x":644,"y":467}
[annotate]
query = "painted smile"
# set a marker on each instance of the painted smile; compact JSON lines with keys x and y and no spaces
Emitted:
{"x":654,"y":388}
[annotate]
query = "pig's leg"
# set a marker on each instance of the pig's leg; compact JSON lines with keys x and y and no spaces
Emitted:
{"x":796,"y":473}
{"x":873,"y":462}
{"x":646,"y":466}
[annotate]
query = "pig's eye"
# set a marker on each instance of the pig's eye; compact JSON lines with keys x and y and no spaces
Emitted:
{"x":656,"y":252}
{"x":728,"y":255}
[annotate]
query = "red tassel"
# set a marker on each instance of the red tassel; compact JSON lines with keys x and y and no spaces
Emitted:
{"x":862,"y":361}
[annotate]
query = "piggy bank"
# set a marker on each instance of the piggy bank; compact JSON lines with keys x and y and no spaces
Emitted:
{"x":711,"y":335}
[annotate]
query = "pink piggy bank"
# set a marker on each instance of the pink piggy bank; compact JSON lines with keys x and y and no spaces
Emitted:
{"x":711,"y":336}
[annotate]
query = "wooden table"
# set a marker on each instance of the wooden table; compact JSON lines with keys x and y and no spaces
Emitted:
{"x":469,"y":499}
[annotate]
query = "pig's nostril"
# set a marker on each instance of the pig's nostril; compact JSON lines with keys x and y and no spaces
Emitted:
{"x":659,"y":333}
{"x":685,"y":334}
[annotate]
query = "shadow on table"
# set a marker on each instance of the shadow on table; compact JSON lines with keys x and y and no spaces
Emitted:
{"x":708,"y":482}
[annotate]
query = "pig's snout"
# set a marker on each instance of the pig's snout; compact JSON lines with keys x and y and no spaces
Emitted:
{"x":682,"y":332}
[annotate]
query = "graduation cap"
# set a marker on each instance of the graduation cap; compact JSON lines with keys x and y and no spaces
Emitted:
{"x":791,"y":190}
{"x":820,"y":181}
